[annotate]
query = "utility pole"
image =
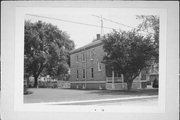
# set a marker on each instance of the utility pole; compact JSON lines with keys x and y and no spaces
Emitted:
{"x":101,"y":23}
{"x":113,"y":87}
{"x":101,"y":26}
{"x":85,"y":69}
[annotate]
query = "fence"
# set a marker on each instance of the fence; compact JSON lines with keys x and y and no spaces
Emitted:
{"x":116,"y":79}
{"x":63,"y":84}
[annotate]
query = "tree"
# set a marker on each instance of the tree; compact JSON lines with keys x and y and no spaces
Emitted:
{"x":150,"y":23}
{"x":46,"y":49}
{"x":128,"y":53}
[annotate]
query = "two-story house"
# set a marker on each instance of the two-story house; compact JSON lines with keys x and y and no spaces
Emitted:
{"x":87,"y":71}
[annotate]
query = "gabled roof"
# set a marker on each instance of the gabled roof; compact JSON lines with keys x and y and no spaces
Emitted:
{"x":88,"y":46}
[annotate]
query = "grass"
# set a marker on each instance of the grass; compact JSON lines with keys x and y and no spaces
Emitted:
{"x":61,"y":95}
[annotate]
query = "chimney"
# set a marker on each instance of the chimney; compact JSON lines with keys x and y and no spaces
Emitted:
{"x":98,"y":36}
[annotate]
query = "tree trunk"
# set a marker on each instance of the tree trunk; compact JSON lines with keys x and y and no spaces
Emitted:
{"x":27,"y":82}
{"x":35,"y":82}
{"x":129,"y":85}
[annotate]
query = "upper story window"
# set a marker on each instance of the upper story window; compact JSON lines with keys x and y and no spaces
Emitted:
{"x":92,"y":54}
{"x":154,"y":69}
{"x":99,"y":66}
{"x":83,"y":56}
{"x":77,"y":58}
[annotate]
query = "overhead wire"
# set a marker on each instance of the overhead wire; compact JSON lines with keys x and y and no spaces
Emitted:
{"x":87,"y":24}
{"x":119,"y":23}
{"x":70,"y":21}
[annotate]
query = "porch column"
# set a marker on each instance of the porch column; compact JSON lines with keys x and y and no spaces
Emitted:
{"x":112,"y":79}
{"x":122,"y":77}
{"x":140,"y":80}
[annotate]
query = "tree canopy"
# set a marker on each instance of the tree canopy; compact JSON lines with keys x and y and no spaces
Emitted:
{"x":150,"y":24}
{"x":128,"y":53}
{"x":46,"y":50}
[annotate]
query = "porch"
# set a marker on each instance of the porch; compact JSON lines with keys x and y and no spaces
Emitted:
{"x":117,"y":83}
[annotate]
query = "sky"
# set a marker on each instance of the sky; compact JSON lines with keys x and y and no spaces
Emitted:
{"x":84,"y":34}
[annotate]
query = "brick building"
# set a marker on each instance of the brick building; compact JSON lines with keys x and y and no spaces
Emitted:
{"x":87,"y":71}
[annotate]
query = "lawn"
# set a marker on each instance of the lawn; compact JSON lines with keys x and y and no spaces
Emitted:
{"x":61,"y":95}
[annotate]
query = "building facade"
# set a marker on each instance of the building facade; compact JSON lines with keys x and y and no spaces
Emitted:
{"x":88,"y":72}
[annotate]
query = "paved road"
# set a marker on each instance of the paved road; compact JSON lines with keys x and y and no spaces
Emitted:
{"x":44,"y":95}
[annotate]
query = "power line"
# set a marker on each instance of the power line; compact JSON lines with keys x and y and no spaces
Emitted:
{"x":69,"y":21}
{"x":118,"y":23}
{"x":113,"y":21}
{"x":92,"y":25}
{"x":101,"y":26}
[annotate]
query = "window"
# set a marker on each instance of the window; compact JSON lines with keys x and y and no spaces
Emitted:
{"x":83,"y":57}
{"x":83,"y":73}
{"x":99,"y":66}
{"x":92,"y":72}
{"x":77,"y":58}
{"x":92,"y":54}
{"x":77,"y":74}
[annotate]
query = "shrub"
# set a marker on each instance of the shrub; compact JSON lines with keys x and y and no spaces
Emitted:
{"x":25,"y":90}
{"x":47,"y":84}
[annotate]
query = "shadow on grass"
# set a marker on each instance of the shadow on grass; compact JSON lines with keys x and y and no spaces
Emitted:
{"x":28,"y":92}
{"x":125,"y":92}
{"x":137,"y":92}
